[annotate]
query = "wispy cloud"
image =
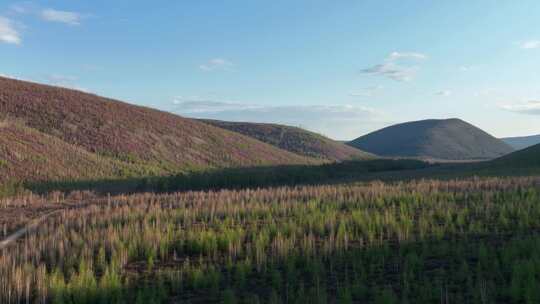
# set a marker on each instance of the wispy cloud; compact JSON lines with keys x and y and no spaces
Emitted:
{"x":195,"y":104}
{"x":71,"y":18}
{"x":395,"y":67}
{"x":530,"y":44}
{"x":8,"y":33}
{"x":64,"y":81}
{"x":409,"y":55}
{"x":336,"y":121}
{"x":217,"y":64}
{"x":367,"y":91}
{"x":444,"y":93}
{"x":392,"y":71}
{"x":530,"y":107}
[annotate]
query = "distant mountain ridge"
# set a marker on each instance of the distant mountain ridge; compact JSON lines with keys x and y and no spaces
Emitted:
{"x":445,"y":139}
{"x":114,"y":138}
{"x":522,"y":142}
{"x":294,"y":139}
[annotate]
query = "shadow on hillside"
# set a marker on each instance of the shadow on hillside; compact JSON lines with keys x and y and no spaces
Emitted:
{"x":237,"y":178}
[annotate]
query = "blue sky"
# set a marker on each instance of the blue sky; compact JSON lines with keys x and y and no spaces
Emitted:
{"x":341,"y":68}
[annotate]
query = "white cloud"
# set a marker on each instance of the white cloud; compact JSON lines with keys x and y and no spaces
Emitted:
{"x":8,"y":33}
{"x":531,"y":44}
{"x":195,"y":105}
{"x":444,"y":93}
{"x":65,"y":81}
{"x":398,"y":55}
{"x":335,"y":121}
{"x":216,"y":64}
{"x":71,"y":18}
{"x":393,"y":69}
{"x":530,"y":107}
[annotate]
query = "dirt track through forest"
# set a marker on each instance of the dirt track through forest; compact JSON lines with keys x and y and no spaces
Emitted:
{"x":35,"y":223}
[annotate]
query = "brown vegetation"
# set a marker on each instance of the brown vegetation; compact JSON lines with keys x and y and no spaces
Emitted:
{"x":295,"y":140}
{"x":112,"y":138}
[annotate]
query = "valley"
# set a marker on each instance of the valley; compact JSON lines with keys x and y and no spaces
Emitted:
{"x":269,"y":152}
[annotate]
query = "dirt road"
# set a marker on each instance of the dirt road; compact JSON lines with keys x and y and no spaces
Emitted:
{"x":12,"y":238}
{"x":35,"y":223}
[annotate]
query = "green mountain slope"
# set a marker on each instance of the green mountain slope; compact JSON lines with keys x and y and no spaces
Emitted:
{"x":448,"y":139}
{"x":526,"y":158}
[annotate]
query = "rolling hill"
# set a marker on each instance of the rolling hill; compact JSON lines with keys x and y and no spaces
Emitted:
{"x":295,"y":140}
{"x":526,"y":158}
{"x":448,"y":139}
{"x":27,"y":154}
{"x":522,"y":142}
{"x":91,"y":136}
